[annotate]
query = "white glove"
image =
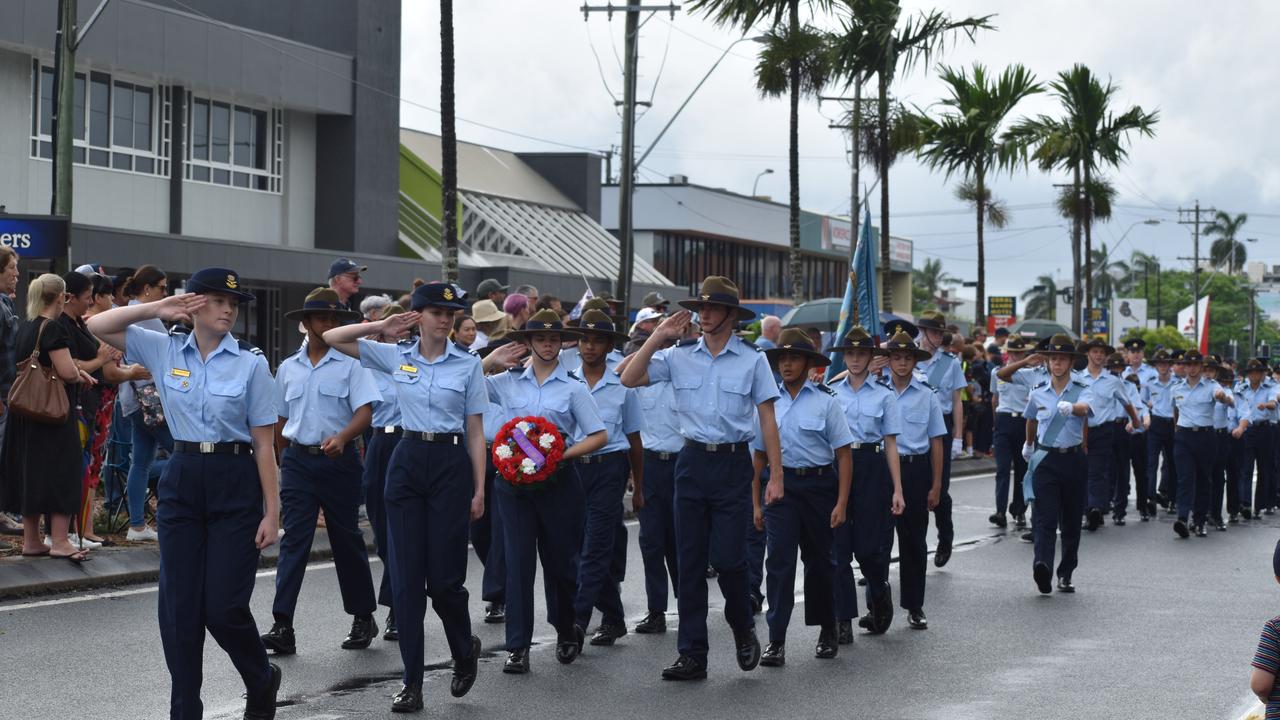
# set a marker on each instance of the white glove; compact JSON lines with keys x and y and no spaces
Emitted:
{"x":1064,"y":407}
{"x":1027,"y":450}
{"x":957,"y":448}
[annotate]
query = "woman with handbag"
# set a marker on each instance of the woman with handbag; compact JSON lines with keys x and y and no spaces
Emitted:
{"x":41,"y":466}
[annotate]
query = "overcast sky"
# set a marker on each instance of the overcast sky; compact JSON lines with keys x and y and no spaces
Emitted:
{"x":531,"y":68}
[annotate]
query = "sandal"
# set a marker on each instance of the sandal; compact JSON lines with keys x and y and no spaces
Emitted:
{"x":75,"y":557}
{"x":41,"y":553}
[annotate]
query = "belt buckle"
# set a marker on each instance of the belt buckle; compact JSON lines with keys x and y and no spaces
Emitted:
{"x":206,"y":447}
{"x":389,"y":430}
{"x":711,"y":447}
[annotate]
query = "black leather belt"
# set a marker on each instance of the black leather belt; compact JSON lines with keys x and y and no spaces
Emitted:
{"x":212,"y":448}
{"x":663,"y":456}
{"x":318,"y":450}
{"x":1222,"y":431}
{"x":388,"y":430}
{"x":922,"y":457}
{"x":435,"y":437}
{"x":1160,"y":418}
{"x":1010,"y":414}
{"x":1058,"y":450}
{"x":807,"y":471}
{"x":597,"y":459}
{"x":1120,"y":421}
{"x":1203,"y":428}
{"x":866,"y":447}
{"x":717,"y":447}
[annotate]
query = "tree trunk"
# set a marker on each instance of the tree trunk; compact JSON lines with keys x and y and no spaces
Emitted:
{"x":1087,"y":220}
{"x":798,"y":294}
{"x":886,"y":284}
{"x":448,"y":149}
{"x":1075,"y":254}
{"x":979,"y":313}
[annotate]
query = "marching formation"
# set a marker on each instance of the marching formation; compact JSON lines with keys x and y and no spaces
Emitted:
{"x":742,"y":462}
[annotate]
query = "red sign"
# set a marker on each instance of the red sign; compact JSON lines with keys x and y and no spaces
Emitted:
{"x":995,"y":322}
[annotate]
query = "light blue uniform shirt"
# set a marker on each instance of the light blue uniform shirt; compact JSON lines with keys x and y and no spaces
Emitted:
{"x":318,"y":402}
{"x":435,"y":396}
{"x":619,"y":410}
{"x":1109,"y":397}
{"x":386,"y":412}
{"x":1195,"y":404}
{"x":1145,"y":373}
{"x":949,"y":377}
{"x":212,"y":400}
{"x":1248,"y":399}
{"x":493,"y":421}
{"x":1011,"y":397}
{"x":661,"y":431}
{"x":811,"y":426}
{"x":1221,"y":413}
{"x":871,"y":411}
{"x":1159,"y":397}
{"x":1135,"y":399}
{"x":921,"y":417}
{"x":716,"y":398}
{"x":1042,"y":405}
{"x":562,"y":399}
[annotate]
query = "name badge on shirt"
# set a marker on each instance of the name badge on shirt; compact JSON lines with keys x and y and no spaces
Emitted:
{"x":408,"y":369}
{"x":179,"y":372}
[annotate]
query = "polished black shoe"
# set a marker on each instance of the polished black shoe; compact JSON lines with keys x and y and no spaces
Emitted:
{"x":464,"y":670}
{"x":363,"y":630}
{"x":1041,"y":572}
{"x":408,"y":700}
{"x":568,"y":650}
{"x":862,"y":582}
{"x":495,"y":613}
{"x":262,"y":705}
{"x":1246,"y":513}
{"x":1064,"y":584}
{"x":775,"y":655}
{"x":711,"y":572}
{"x":280,"y":639}
{"x":607,"y":633}
{"x":1144,"y":517}
{"x":866,"y":622}
{"x":1094,"y":520}
{"x":999,"y":520}
{"x":757,"y":604}
{"x":1180,"y":527}
{"x":1234,"y":519}
{"x":652,"y":624}
{"x":1118,"y":521}
{"x":390,"y":633}
{"x":1027,"y":537}
{"x":844,"y":633}
{"x":880,"y":614}
{"x":1269,"y":511}
{"x":941,"y":555}
{"x":1200,"y":532}
{"x":1219,"y":525}
{"x":916,"y":620}
{"x":517,"y":662}
{"x":1171,"y":510}
{"x":827,"y":647}
{"x":1019,"y":522}
{"x":685,"y":668}
{"x":748,"y":648}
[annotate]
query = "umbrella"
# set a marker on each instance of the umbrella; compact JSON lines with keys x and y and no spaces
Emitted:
{"x":822,"y":314}
{"x":1036,"y":328}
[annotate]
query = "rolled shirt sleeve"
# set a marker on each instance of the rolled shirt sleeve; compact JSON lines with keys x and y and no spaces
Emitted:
{"x":632,"y":416}
{"x":364,"y":391}
{"x":262,"y":395}
{"x":383,"y":357}
{"x":838,"y":432}
{"x":146,"y":347}
{"x":477,"y":401}
{"x":584,"y":411}
{"x":763,"y":388}
{"x":891,"y":423}
{"x":937,"y":427}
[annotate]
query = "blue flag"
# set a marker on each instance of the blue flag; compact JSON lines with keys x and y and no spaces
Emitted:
{"x":859,"y":291}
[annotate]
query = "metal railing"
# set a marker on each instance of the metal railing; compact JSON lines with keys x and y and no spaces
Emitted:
{"x":419,"y":225}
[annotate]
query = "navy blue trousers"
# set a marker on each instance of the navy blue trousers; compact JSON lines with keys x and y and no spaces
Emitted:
{"x":429,"y":490}
{"x":1160,"y":443}
{"x":713,"y":505}
{"x":942,"y":513}
{"x":1118,"y":492}
{"x":1255,"y":454}
{"x":541,"y":523}
{"x":603,"y":485}
{"x":658,"y":531}
{"x":486,"y":539}
{"x":800,"y":520}
{"x":377,"y":459}
{"x":1218,"y":484}
{"x":208,"y":512}
{"x":756,"y":544}
{"x":1010,"y":436}
{"x":1193,"y":456}
{"x":913,"y":530}
{"x":867,"y":534}
{"x":1101,"y":463}
{"x":308,"y":484}
{"x":1138,"y":463}
{"x":1061,"y":490}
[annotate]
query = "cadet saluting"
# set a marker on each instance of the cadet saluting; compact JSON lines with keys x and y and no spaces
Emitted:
{"x":1011,"y":385}
{"x":435,"y":484}
{"x":720,"y":384}
{"x":218,"y":500}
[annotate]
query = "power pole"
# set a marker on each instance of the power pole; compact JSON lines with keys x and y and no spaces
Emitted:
{"x":1194,"y":215}
{"x":626,"y":181}
{"x":855,"y":206}
{"x":64,"y":74}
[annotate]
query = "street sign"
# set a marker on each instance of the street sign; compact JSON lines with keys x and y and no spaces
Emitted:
{"x":35,"y":236}
{"x":1002,"y":311}
{"x":1127,"y":315}
{"x":1097,"y":324}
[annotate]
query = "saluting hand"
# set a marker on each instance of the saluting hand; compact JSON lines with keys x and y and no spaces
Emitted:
{"x":179,"y":308}
{"x":504,"y":357}
{"x":878,"y":363}
{"x":400,"y":322}
{"x":673,"y":327}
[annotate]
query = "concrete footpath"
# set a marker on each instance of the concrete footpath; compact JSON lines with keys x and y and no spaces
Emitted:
{"x":116,"y":566}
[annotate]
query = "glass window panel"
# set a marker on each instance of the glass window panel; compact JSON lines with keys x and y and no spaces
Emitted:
{"x":200,"y":130}
{"x":240,"y":180}
{"x":46,"y":150}
{"x":77,"y":155}
{"x":222,"y":177}
{"x":99,"y":111}
{"x":220,"y":132}
{"x":122,"y":161}
{"x":78,"y":130}
{"x":260,"y":182}
{"x":199,"y":172}
{"x":142,"y":119}
{"x":46,"y":101}
{"x":99,"y":157}
{"x":260,"y":143}
{"x":242,"y":133}
{"x":122,"y":136}
{"x":144,"y":165}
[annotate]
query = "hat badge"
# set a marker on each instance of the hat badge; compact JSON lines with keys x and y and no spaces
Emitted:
{"x":706,"y":297}
{"x":231,"y":282}
{"x":333,"y":306}
{"x":591,"y":325}
{"x":448,"y":294}
{"x":546,"y":325}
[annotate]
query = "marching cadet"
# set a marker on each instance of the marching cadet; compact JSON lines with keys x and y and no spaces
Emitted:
{"x":570,"y":355}
{"x":1134,"y":351}
{"x":325,"y":402}
{"x":1110,"y":405}
{"x":944,"y":374}
{"x":1118,"y":489}
{"x":1257,"y":410}
{"x":921,"y":452}
{"x":1056,"y":419}
{"x":817,"y":463}
{"x":220,"y":483}
{"x":486,"y":532}
{"x":1011,"y":389}
{"x":1177,"y":356}
{"x":544,"y":522}
{"x":1193,"y":442}
{"x":1158,"y":396}
{"x":435,"y":482}
{"x":604,"y":474}
{"x":1225,"y":420}
{"x":720,"y":385}
{"x":1137,"y":454}
{"x":875,"y":498}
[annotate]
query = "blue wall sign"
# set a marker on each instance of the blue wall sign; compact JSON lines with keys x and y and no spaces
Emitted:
{"x":35,"y":236}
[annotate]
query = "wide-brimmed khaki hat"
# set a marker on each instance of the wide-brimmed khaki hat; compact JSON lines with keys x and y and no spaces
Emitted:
{"x":718,"y":290}
{"x":543,"y":321}
{"x":596,"y":322}
{"x":858,"y":339}
{"x":1059,"y":344}
{"x":902,"y":341}
{"x":795,"y":340}
{"x":322,"y":300}
{"x":1016,"y":343}
{"x":932,"y":320}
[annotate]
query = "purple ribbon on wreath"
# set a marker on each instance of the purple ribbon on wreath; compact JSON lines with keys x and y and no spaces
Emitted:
{"x":530,"y":450}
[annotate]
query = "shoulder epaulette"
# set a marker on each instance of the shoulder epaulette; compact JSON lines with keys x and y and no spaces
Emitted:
{"x":1042,"y":383}
{"x":573,"y":374}
{"x":882,"y":379}
{"x":752,"y":345}
{"x":465,"y":349}
{"x":926,"y":384}
{"x":949,"y":354}
{"x":286,"y":357}
{"x":179,"y":330}
{"x":249,"y":347}
{"x":1077,"y":382}
{"x":826,"y":389}
{"x":687,"y":343}
{"x":516,"y":369}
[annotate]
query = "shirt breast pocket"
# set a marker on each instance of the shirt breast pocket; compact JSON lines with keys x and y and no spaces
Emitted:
{"x":335,"y":392}
{"x":404,"y":378}
{"x":229,"y":400}
{"x":177,"y":384}
{"x":813,"y":425}
{"x":611,"y":415}
{"x":446,"y":393}
{"x":916,"y":417}
{"x":735,"y":396}
{"x":686,"y":391}
{"x":870,"y":421}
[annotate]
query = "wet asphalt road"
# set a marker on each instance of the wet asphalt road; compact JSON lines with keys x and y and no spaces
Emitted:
{"x":1159,"y":627}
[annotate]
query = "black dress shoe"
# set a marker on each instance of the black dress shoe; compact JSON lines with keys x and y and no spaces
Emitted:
{"x":280,"y":639}
{"x":1219,"y":525}
{"x":363,"y":630}
{"x":711,"y":572}
{"x":1180,"y":527}
{"x":1094,"y":520}
{"x":1027,"y":537}
{"x":568,"y":650}
{"x":1041,"y":572}
{"x":685,"y":668}
{"x":607,"y":633}
{"x":1234,"y":519}
{"x":827,"y":647}
{"x":495,"y":613}
{"x":517,"y":662}
{"x":941,"y":555}
{"x":1064,"y":584}
{"x":465,"y":669}
{"x":1019,"y":522}
{"x":844,"y":633}
{"x":1144,"y":517}
{"x":862,"y":582}
{"x":1246,"y":513}
{"x":1200,"y":530}
{"x":1118,"y":521}
{"x":916,"y":620}
{"x":999,"y":520}
{"x":652,"y":624}
{"x":775,"y":655}
{"x":408,"y":700}
{"x":748,"y":648}
{"x":262,"y":705}
{"x":391,"y":634}
{"x":1269,"y":511}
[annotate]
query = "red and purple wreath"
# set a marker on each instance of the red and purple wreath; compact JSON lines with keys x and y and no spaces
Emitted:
{"x":527,"y":450}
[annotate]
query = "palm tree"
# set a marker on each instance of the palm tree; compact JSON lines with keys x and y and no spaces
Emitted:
{"x":997,"y":212}
{"x":965,"y":139}
{"x":1101,"y":194}
{"x":1108,"y":275}
{"x":1041,"y":299}
{"x":872,"y":43}
{"x":932,"y":277}
{"x":793,"y":47}
{"x":1227,"y":250}
{"x":448,"y":148}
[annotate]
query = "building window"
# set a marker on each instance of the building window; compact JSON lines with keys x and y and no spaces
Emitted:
{"x":234,"y":145}
{"x":117,"y":123}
